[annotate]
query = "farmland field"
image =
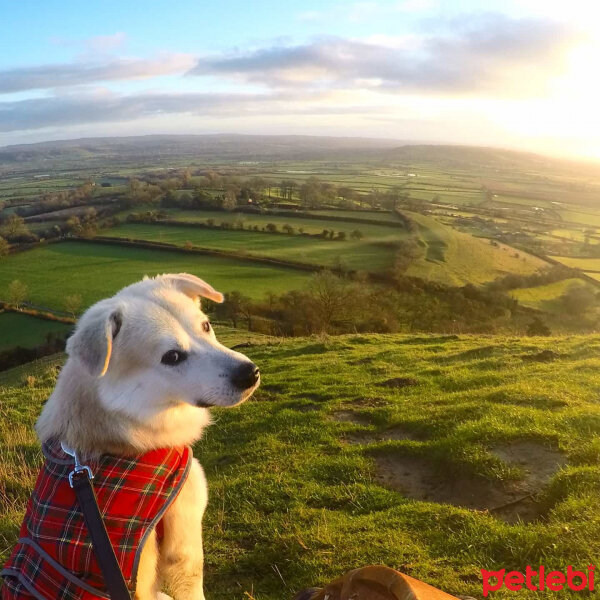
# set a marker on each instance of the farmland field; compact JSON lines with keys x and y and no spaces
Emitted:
{"x":435,"y":455}
{"x":585,"y":264}
{"x":546,"y":297}
{"x":308,"y":225}
{"x":457,"y":258}
{"x":365,"y":254}
{"x":97,"y":270}
{"x":26,"y":331}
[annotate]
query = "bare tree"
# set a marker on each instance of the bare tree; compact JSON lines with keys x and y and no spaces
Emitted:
{"x":72,"y":304}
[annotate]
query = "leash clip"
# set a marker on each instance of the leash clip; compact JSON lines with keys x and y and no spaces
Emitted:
{"x":79,"y":468}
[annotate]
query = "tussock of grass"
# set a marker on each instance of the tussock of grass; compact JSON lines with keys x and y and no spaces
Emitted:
{"x":294,"y":503}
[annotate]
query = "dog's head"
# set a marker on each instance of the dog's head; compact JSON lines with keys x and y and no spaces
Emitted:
{"x":152,"y":347}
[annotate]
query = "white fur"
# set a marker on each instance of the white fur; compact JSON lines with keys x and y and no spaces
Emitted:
{"x":114,"y":395}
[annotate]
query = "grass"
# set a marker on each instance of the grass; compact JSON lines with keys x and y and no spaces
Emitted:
{"x":547,"y":297}
{"x":26,"y":331}
{"x":294,"y":504}
{"x":585,"y":264}
{"x":307,"y":224}
{"x":96,"y":270}
{"x":457,"y":258}
{"x":372,"y":254}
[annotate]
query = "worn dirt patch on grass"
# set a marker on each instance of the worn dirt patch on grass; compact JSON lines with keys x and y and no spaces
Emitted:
{"x":539,"y":462}
{"x":349,"y":416}
{"x":513,"y":501}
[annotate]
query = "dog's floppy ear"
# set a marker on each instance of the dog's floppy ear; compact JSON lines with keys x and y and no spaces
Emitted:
{"x":194,"y":287}
{"x":93,"y":338}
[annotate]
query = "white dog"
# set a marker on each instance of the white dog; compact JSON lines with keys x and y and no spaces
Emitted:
{"x":143,"y":368}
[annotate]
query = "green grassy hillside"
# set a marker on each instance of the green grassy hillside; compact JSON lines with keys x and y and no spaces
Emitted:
{"x":456,"y":258}
{"x":374,"y":253}
{"x":95,"y":271}
{"x":547,"y":297}
{"x":25,"y":330}
{"x":435,"y":455}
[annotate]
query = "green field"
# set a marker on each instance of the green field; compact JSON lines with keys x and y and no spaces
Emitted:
{"x":308,"y":225}
{"x":457,"y":258}
{"x":372,"y":254}
{"x":547,"y":297}
{"x":585,"y":264}
{"x":366,"y":449}
{"x":26,"y":331}
{"x":97,"y":270}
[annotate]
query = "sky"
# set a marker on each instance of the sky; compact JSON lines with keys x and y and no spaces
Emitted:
{"x":514,"y":73}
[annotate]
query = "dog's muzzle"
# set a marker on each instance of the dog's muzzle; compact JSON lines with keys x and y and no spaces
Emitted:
{"x":245,"y":376}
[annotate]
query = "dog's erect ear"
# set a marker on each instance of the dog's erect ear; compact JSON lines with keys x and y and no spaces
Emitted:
{"x":93,"y":339}
{"x":194,"y":287}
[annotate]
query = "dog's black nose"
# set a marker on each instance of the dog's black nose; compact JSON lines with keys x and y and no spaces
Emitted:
{"x":245,"y":376}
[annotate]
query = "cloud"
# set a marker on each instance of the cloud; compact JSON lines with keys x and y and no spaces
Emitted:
{"x":77,"y":73}
{"x":102,"y":106}
{"x":483,"y":53}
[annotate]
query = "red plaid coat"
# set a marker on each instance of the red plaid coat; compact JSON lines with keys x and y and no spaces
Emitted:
{"x":54,"y":559}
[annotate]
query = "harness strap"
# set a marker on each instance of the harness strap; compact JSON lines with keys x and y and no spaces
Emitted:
{"x":105,"y":554}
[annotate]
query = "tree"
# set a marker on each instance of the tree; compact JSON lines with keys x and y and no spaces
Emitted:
{"x":347,"y":194}
{"x":4,"y":247}
{"x":341,"y":235}
{"x":538,"y":327}
{"x":17,"y":292}
{"x":408,"y":252}
{"x":288,"y":229}
{"x":186,"y":200}
{"x":230,"y":198}
{"x":13,"y":226}
{"x":311,"y":192}
{"x":286,"y":189}
{"x":236,"y":305}
{"x":356,"y":235}
{"x":72,"y":304}
{"x":170,"y":200}
{"x":271,"y":227}
{"x":332,"y":300}
{"x":578,"y":299}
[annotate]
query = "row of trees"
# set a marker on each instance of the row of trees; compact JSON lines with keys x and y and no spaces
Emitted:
{"x":334,"y":304}
{"x":17,"y":294}
{"x":208,"y":188}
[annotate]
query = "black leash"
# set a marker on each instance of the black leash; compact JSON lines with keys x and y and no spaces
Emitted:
{"x":80,"y":479}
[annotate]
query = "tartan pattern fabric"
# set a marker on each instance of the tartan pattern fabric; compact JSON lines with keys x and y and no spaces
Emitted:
{"x":54,"y":558}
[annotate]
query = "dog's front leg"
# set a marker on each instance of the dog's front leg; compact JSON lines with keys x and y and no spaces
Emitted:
{"x":181,"y":557}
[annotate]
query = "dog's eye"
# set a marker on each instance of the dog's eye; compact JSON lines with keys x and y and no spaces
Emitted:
{"x":206,"y":326}
{"x":173,"y":357}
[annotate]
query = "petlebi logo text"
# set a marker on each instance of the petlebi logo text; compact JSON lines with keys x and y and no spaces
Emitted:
{"x":539,"y":580}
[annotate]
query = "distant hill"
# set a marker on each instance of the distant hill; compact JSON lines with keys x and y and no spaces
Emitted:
{"x":169,"y":150}
{"x":225,"y":147}
{"x":473,"y":157}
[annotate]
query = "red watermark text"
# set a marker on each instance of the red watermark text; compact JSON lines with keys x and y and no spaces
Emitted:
{"x":539,"y":580}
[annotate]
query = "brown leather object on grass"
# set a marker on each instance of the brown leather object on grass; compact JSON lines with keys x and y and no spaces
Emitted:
{"x":375,"y":583}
